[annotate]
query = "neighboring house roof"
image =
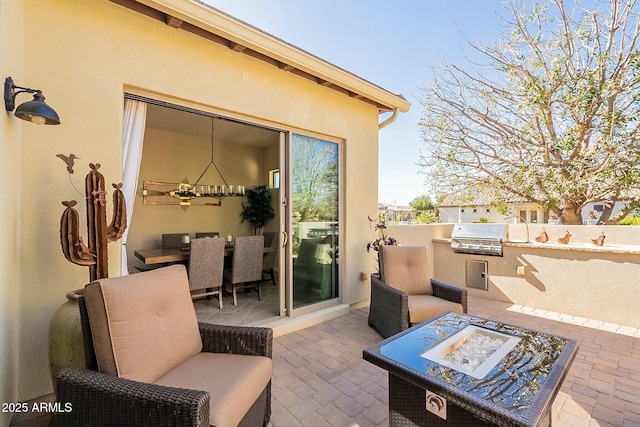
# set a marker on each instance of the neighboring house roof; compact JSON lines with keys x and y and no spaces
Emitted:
{"x":489,"y":199}
{"x":395,"y":208}
{"x":206,"y":21}
{"x":479,"y":199}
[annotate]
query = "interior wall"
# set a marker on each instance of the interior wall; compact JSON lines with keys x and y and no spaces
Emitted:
{"x":271,"y":157}
{"x":172,"y":157}
{"x":96,"y":51}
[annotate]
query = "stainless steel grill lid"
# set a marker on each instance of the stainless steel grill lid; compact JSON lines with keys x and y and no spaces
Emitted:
{"x":484,"y":239}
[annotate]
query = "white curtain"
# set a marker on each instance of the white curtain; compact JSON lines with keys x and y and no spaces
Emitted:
{"x":135,"y":117}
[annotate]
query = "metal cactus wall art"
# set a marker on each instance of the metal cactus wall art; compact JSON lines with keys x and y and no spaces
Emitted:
{"x":92,"y":254}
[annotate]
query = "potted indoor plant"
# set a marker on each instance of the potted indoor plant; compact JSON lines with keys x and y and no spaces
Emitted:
{"x":258,"y":210}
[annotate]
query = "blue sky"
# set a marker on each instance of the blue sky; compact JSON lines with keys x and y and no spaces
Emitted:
{"x":392,"y":44}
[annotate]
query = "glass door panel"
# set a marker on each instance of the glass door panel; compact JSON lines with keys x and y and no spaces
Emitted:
{"x":314,"y":219}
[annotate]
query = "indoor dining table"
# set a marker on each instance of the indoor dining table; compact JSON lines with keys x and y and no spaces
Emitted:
{"x":174,"y":255}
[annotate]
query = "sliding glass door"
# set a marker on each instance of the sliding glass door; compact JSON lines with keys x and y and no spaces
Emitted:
{"x":314,"y":220}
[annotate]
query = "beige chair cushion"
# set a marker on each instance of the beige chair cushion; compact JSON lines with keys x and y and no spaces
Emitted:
{"x":234,"y":382}
{"x":143,"y":325}
{"x":405,"y":268}
{"x":423,"y":307}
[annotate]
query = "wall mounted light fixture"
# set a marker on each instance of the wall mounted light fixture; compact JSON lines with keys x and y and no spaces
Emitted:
{"x":36,"y":111}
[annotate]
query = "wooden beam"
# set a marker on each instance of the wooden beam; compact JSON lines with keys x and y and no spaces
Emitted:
{"x":174,"y":22}
{"x":236,"y":47}
{"x":324,"y":83}
{"x":285,"y":67}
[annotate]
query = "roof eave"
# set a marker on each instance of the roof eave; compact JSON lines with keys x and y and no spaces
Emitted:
{"x":243,"y":36}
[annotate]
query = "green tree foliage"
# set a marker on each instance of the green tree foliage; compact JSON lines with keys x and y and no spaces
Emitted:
{"x":422,"y":203}
{"x":482,"y":220}
{"x":425,"y":209}
{"x":551,"y":114}
{"x":427,"y":217}
{"x":314,"y":179}
{"x":630,"y":220}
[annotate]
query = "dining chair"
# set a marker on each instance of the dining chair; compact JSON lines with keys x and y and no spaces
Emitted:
{"x":206,"y":266}
{"x":246,"y":265}
{"x":271,"y":240}
{"x":201,"y":234}
{"x":173,"y":240}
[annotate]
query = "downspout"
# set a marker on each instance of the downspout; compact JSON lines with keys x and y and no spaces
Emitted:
{"x":390,"y":120}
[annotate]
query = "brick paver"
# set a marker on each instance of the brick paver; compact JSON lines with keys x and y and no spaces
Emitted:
{"x":320,"y":378}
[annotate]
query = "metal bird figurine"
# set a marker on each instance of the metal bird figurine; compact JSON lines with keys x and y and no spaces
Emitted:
{"x":599,"y":241}
{"x":565,"y":240}
{"x":68,"y":160}
{"x":543,"y":237}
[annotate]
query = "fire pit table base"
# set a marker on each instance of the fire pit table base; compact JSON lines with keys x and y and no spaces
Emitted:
{"x":447,"y":371}
{"x":407,"y":407}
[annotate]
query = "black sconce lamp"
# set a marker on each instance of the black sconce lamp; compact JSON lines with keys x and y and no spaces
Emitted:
{"x":36,"y":111}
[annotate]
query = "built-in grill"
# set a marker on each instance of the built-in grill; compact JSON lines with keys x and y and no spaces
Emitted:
{"x":484,"y":239}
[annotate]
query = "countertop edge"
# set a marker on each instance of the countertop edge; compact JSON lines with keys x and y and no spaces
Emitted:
{"x":578,"y":247}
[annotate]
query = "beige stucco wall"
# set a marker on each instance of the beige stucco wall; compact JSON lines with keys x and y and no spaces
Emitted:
{"x":11,"y":24}
{"x":83,"y":55}
{"x":579,"y":279}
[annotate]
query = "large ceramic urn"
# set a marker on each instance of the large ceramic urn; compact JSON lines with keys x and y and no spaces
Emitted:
{"x":66,"y":347}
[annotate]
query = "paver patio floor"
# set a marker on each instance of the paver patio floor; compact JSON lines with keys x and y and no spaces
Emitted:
{"x":320,"y":378}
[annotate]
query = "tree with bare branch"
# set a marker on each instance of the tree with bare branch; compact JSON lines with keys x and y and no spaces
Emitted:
{"x":551,"y":116}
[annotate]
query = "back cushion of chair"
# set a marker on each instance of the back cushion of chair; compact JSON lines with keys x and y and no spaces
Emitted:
{"x":247,"y":259}
{"x":144,"y":324}
{"x":405,"y":268}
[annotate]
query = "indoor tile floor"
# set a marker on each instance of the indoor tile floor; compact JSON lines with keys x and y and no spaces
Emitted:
{"x":249,"y":311}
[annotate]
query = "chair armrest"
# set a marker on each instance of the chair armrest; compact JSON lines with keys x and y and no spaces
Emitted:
{"x":450,"y":293}
{"x":91,"y":398}
{"x":247,"y":340}
{"x":389,"y":309}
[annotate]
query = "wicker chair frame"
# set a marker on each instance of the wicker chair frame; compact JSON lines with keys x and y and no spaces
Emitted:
{"x":389,"y":309}
{"x":100,"y":400}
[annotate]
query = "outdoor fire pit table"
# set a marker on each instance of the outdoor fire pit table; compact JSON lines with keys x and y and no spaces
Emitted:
{"x":461,"y":370}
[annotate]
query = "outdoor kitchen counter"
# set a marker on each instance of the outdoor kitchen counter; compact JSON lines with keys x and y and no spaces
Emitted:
{"x":578,"y":247}
{"x":579,"y":279}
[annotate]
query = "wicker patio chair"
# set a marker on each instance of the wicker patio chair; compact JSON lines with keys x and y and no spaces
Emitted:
{"x":405,"y":293}
{"x":158,"y":365}
{"x":314,"y":268}
{"x":206,"y":265}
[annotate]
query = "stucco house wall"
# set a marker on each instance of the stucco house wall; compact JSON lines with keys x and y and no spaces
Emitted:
{"x":84,"y":55}
{"x":454,"y":214}
{"x":11,"y":23}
